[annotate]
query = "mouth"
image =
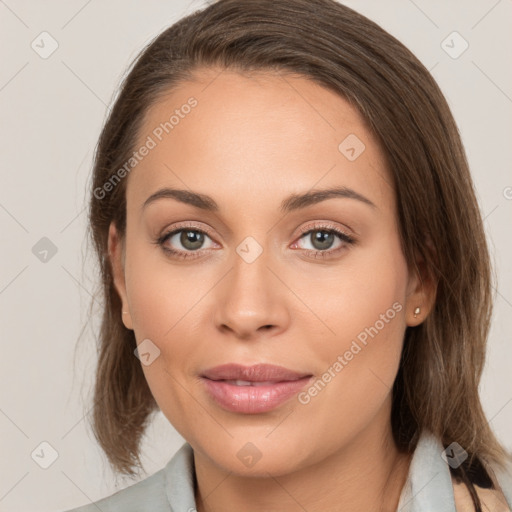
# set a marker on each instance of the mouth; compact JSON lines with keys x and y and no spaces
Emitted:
{"x":249,"y":383}
{"x":252,"y":389}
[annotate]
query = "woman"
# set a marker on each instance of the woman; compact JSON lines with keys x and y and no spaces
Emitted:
{"x":276,"y":208}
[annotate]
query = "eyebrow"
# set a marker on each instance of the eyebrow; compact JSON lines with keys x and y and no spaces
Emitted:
{"x":291,"y":203}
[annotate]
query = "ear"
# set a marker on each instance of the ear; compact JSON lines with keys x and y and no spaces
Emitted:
{"x":421,"y":294}
{"x":116,"y":256}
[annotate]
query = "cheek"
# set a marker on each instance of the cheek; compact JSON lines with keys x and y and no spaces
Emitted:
{"x":366,"y":310}
{"x":362,"y":297}
{"x":163,"y":302}
{"x":161,"y":294}
{"x":160,"y":298}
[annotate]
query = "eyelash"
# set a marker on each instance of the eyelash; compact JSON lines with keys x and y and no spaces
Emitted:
{"x":344,"y":237}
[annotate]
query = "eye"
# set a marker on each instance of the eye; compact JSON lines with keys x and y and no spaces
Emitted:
{"x":183,"y":242}
{"x":322,"y":240}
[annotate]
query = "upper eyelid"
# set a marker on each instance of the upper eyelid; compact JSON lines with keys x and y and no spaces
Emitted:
{"x":327,"y":226}
{"x":312,"y":225}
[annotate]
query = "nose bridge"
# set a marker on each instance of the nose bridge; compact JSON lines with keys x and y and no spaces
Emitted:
{"x":251,"y":296}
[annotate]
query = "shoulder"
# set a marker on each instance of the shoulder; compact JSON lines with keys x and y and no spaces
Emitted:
{"x":492,"y":500}
{"x":144,"y":496}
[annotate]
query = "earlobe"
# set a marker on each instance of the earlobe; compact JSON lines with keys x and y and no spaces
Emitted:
{"x":421,"y":297}
{"x":115,"y":252}
{"x":418,"y":316}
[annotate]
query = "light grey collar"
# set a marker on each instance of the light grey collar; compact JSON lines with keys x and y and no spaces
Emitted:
{"x":179,"y":480}
{"x":429,"y":485}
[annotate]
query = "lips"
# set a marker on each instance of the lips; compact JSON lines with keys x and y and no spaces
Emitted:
{"x":252,"y":389}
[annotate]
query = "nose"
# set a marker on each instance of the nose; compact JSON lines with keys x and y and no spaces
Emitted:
{"x":251,"y":302}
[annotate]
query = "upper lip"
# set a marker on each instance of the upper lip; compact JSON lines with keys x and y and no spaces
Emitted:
{"x":254,"y":373}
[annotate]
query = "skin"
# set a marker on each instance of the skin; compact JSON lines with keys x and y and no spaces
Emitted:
{"x":251,"y":141}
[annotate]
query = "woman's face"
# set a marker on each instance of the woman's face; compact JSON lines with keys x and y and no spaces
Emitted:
{"x":269,"y":269}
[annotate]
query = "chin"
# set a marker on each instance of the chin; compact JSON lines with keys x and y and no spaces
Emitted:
{"x":256,"y":456}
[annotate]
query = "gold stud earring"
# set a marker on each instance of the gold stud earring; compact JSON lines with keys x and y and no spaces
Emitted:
{"x":417,"y":312}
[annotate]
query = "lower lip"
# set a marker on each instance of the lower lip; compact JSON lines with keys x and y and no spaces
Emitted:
{"x":253,"y":399}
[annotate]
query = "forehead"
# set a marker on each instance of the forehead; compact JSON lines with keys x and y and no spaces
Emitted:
{"x":264,"y":135}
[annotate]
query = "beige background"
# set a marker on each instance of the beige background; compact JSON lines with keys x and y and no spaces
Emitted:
{"x":51,"y":113}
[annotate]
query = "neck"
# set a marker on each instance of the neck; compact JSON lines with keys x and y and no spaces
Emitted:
{"x":369,"y":474}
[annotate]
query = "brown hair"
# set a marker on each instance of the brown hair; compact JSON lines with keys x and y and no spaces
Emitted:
{"x":437,"y":384}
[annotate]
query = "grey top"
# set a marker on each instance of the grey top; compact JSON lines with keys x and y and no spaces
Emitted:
{"x":428,"y":486}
